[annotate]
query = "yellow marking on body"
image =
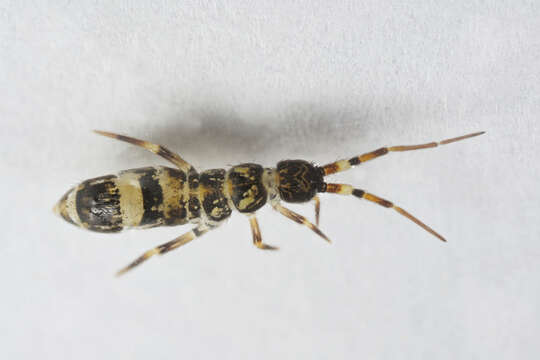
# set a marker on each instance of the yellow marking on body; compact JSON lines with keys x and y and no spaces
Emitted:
{"x":216,"y":212}
{"x":228,"y":187}
{"x":131,"y":198}
{"x":245,"y":202}
{"x":244,"y":170}
{"x":172,"y":189}
{"x":249,"y":197}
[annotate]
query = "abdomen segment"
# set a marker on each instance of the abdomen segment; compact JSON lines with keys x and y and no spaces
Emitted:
{"x":144,"y":197}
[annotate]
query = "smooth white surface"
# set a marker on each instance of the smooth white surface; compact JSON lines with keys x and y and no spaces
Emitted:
{"x":235,"y":81}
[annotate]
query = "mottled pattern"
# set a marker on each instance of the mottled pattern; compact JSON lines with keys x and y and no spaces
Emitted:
{"x":154,"y":196}
{"x":173,"y":183}
{"x":98,"y":204}
{"x":246,"y":188}
{"x":143,"y":197}
{"x":194,"y":207}
{"x":299,"y":180}
{"x":211,"y":193}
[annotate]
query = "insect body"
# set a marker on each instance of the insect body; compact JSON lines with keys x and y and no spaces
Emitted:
{"x":155,"y":196}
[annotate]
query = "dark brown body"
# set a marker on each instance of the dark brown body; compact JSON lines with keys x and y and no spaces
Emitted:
{"x":299,"y":180}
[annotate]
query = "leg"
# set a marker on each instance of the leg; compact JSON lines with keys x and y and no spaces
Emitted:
{"x":156,"y":149}
{"x":317,"y":209}
{"x":344,"y":189}
{"x":168,"y":246}
{"x":342,"y":165}
{"x":300,"y":219}
{"x":257,"y":238}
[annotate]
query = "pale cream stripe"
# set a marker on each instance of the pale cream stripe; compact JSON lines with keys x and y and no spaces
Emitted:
{"x":227,"y":186}
{"x":131,"y":198}
{"x":71,"y":206}
{"x":343,"y":165}
{"x":345,"y":189}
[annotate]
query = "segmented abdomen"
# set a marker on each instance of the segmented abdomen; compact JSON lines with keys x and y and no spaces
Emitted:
{"x":144,"y":197}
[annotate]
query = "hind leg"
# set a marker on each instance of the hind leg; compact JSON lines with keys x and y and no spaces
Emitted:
{"x":156,"y":149}
{"x":168,"y":246}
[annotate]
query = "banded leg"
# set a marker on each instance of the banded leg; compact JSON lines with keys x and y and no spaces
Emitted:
{"x":299,"y":219}
{"x":257,"y":238}
{"x":344,"y":164}
{"x":344,"y":189}
{"x":156,"y":149}
{"x":168,"y":246}
{"x":317,"y":209}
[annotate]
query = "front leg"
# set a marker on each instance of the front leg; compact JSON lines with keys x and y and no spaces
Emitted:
{"x":168,"y":246}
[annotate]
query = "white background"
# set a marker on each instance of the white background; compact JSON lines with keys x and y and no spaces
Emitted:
{"x":227,"y":82}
